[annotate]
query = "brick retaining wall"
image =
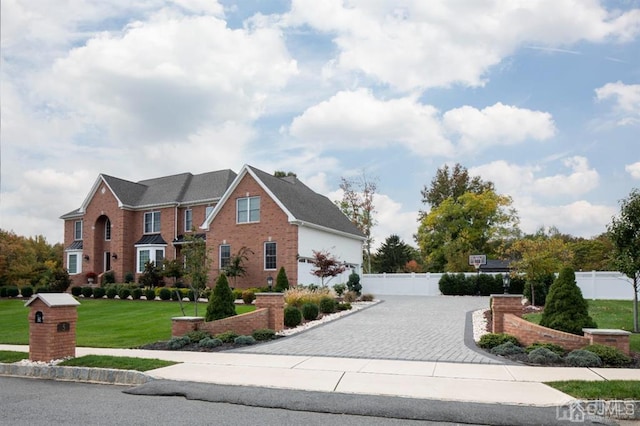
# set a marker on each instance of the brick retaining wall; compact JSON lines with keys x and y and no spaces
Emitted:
{"x":528,"y":333}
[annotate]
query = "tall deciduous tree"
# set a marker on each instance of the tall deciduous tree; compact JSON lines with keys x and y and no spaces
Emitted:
{"x":357,"y":205}
{"x":197,"y":264}
{"x":457,"y":227}
{"x":452,"y":183}
{"x":326,"y":265}
{"x":624,"y":230}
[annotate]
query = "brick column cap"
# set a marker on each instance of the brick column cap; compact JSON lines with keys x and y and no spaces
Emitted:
{"x":187,"y":318}
{"x":507,"y":295}
{"x":606,"y":331}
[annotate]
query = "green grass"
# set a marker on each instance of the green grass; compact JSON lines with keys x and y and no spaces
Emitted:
{"x":9,"y":357}
{"x":612,"y":389}
{"x":106,"y":323}
{"x":608,"y":314}
{"x":117,"y":362}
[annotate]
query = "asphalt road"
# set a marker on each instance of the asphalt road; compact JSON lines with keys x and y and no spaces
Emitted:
{"x":44,"y":402}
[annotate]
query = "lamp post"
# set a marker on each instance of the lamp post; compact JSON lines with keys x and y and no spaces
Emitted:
{"x":506,"y":280}
{"x":270,"y":282}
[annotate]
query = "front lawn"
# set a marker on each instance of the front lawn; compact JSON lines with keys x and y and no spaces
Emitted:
{"x":610,"y":389}
{"x":607,"y":314}
{"x":106,"y":323}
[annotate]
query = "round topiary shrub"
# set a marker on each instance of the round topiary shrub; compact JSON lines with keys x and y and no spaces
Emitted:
{"x":124,"y":293}
{"x":609,"y":355}
{"x":136,"y":293}
{"x":26,"y":291}
{"x":543,"y":356}
{"x":209,"y":342}
{"x":310,"y":311}
{"x":292,"y":316}
{"x":248,"y":296}
{"x":12,"y":291}
{"x":508,"y":348}
{"x":327,"y":305}
{"x":164,"y":293}
{"x":98,"y":293}
{"x":76,"y":291}
{"x":87,"y":291}
{"x":244,"y":340}
{"x":111,"y":292}
{"x":150,"y":294}
{"x":491,"y":340}
{"x":178,"y":343}
{"x":227,"y":336}
{"x":582,"y":358}
{"x":264,"y":334}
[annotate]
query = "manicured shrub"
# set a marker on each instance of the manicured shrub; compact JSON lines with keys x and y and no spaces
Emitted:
{"x":26,"y":291}
{"x":327,"y":305}
{"x":76,"y":291}
{"x":136,"y":293}
{"x":87,"y":291}
{"x":507,"y":348}
{"x":367,"y":297}
{"x":491,"y":340}
{"x":60,"y":281}
{"x":516,"y":286}
{"x":99,"y":293}
{"x":12,"y":291}
{"x":248,"y":297}
{"x":209,"y":342}
{"x":227,"y":336}
{"x":292,"y":316}
{"x":453,"y":285}
{"x":108,"y":278}
{"x":164,"y":293}
{"x":344,"y":306}
{"x":244,"y":340}
{"x":582,"y":358}
{"x":340,"y":289}
{"x":282,"y":282}
{"x":237,"y":293}
{"x":543,"y":356}
{"x":178,"y":343}
{"x":222,"y":303}
{"x":150,"y":294}
{"x":3,"y":291}
{"x":111,"y":292}
{"x":489,"y":284}
{"x":310,"y":311}
{"x":350,"y":297}
{"x":353,"y":283}
{"x":609,"y":355}
{"x":263,"y":334}
{"x":129,"y":277}
{"x":124,"y":293}
{"x":566,"y":310}
{"x":557,"y":349}
{"x":197,"y":335}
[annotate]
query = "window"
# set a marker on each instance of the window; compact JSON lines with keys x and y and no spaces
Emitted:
{"x":151,"y":222}
{"x":225,"y":255}
{"x":150,"y":254}
{"x":270,"y":250}
{"x":208,"y":211}
{"x":74,"y":266}
{"x":77,"y":231}
{"x":107,"y":230}
{"x":188,"y":220}
{"x":248,"y":209}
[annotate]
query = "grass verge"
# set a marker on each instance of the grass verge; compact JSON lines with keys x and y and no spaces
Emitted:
{"x":610,"y":389}
{"x":117,"y":362}
{"x":9,"y":357}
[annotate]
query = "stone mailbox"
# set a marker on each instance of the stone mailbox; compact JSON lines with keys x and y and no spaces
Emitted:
{"x":52,"y":326}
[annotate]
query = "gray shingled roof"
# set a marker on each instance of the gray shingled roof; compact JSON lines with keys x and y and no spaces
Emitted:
{"x":305,"y":204}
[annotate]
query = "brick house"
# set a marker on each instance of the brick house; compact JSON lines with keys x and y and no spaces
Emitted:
{"x":121,"y":225}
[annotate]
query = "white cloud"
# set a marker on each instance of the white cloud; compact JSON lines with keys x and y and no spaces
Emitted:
{"x":582,"y":180}
{"x":417,"y":44}
{"x":391,"y":219}
{"x":357,"y":120}
{"x":633,"y":170}
{"x":627,"y":101}
{"x":498,"y":125}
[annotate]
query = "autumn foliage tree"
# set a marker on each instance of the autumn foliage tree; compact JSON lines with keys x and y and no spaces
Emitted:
{"x":326,"y":265}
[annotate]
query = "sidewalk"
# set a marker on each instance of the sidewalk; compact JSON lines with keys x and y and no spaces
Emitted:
{"x":501,"y":384}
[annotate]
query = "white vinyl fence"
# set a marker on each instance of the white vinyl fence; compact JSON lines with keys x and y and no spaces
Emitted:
{"x":594,"y":284}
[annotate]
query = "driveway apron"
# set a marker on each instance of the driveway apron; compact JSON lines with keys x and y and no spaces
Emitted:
{"x":417,"y":328}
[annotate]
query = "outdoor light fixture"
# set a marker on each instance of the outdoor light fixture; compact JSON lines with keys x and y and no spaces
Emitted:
{"x":115,"y":256}
{"x":270,"y":282}
{"x":506,"y":279}
{"x":86,"y":257}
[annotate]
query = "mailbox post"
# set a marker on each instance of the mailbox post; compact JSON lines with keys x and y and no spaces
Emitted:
{"x":52,"y":326}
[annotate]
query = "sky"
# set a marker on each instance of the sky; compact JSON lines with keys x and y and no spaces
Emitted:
{"x":540,"y":97}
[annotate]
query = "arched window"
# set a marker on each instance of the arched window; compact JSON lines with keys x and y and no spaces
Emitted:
{"x":107,"y":230}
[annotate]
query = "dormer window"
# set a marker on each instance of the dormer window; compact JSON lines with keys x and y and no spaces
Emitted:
{"x":152,"y":222}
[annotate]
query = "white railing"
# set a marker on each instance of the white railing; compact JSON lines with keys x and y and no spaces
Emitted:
{"x":594,"y":284}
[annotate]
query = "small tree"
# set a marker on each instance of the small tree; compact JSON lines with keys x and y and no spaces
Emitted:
{"x":222,"y":301}
{"x":173,"y":269}
{"x":152,"y":275}
{"x":60,"y":281}
{"x":236,"y":267}
{"x":282,"y":282}
{"x":353,"y":284}
{"x":326,"y":265}
{"x":566,"y":310}
{"x":197,"y":265}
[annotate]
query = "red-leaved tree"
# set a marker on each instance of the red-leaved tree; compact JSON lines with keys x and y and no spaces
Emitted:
{"x":326,"y":265}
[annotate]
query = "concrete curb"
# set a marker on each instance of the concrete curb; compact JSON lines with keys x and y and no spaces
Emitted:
{"x":76,"y":374}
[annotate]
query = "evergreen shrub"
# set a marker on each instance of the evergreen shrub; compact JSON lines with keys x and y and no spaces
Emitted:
{"x":178,"y":343}
{"x":26,"y":291}
{"x":150,"y":294}
{"x":542,"y":355}
{"x":292,"y":316}
{"x":209,"y":342}
{"x":609,"y":355}
{"x":244,"y":340}
{"x":136,"y":293}
{"x":87,"y":291}
{"x":164,"y":293}
{"x":507,"y":348}
{"x":264,"y":334}
{"x":310,"y":311}
{"x":557,"y":349}
{"x":353,"y":283}
{"x":76,"y":291}
{"x":124,"y":293}
{"x":327,"y":305}
{"x":227,"y":336}
{"x":582,"y":358}
{"x":99,"y":293}
{"x":111,"y":292}
{"x":282,"y":282}
{"x":222,"y":303}
{"x":491,"y":340}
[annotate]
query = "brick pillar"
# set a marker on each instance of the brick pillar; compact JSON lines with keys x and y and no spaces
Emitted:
{"x":275,"y":303}
{"x":502,"y":304}
{"x":183,"y":325}
{"x":611,"y":337}
{"x":52,"y":326}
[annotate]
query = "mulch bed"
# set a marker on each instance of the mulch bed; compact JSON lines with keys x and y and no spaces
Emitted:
{"x":194,"y":347}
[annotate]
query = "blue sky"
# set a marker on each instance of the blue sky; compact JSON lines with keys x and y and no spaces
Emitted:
{"x":540,"y":97}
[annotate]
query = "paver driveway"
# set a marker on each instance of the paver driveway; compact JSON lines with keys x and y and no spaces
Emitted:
{"x":419,"y":328}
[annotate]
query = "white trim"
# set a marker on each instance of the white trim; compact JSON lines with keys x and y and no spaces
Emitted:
{"x":153,"y":248}
{"x":79,"y":258}
{"x":329,"y":230}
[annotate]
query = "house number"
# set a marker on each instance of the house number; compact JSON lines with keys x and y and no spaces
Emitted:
{"x":63,"y":326}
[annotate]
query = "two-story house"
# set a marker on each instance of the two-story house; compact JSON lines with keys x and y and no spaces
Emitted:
{"x":121,"y":225}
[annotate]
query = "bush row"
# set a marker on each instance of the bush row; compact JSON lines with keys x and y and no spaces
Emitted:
{"x":477,"y":285}
{"x":25,"y":291}
{"x":206,"y":340}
